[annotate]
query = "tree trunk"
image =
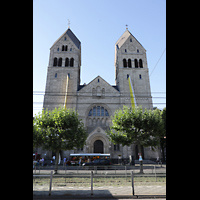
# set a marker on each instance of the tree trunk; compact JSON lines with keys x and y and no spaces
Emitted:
{"x":56,"y":164}
{"x":141,"y":162}
{"x":163,"y":149}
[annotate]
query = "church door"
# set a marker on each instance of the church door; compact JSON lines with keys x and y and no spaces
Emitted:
{"x":98,"y":146}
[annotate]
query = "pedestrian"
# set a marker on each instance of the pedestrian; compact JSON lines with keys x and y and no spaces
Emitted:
{"x":42,"y":160}
{"x":79,"y":162}
{"x":64,"y":161}
{"x":68,"y":162}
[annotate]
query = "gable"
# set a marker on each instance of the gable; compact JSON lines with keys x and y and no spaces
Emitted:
{"x":71,"y":35}
{"x":99,"y":87}
{"x":125,"y":38}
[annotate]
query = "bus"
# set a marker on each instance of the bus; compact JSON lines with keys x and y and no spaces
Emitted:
{"x":86,"y":157}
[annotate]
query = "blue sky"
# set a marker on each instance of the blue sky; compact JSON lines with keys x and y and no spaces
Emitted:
{"x":98,"y":24}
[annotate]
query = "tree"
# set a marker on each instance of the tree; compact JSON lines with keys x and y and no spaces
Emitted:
{"x":135,"y":126}
{"x":59,"y":129}
{"x":163,"y":135}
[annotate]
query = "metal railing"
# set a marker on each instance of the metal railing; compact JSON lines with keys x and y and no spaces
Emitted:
{"x":148,"y":169}
{"x":93,"y":179}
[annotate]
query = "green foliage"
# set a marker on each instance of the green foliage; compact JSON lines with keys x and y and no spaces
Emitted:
{"x":135,"y":126}
{"x":59,"y":129}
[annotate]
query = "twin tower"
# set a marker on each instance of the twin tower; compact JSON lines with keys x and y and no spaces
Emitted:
{"x":65,"y":61}
{"x":97,"y":101}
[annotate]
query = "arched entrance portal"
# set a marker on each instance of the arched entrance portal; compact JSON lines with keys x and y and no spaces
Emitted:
{"x":98,"y":146}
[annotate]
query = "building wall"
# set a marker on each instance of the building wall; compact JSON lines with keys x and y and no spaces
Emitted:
{"x":98,"y":92}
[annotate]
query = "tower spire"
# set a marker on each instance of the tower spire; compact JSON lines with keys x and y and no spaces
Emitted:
{"x":68,"y":23}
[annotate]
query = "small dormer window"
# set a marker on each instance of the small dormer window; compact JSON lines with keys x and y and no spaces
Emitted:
{"x":65,"y":38}
{"x":137,"y":50}
{"x":131,"y":40}
{"x":125,"y":50}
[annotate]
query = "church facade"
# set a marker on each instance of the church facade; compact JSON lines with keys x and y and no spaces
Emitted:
{"x":97,"y":101}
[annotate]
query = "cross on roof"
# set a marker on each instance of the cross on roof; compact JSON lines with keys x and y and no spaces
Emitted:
{"x":68,"y":23}
{"x":126,"y":27}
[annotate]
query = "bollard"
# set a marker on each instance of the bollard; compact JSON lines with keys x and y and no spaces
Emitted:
{"x":91,"y":182}
{"x":126,"y":173}
{"x":50,"y":183}
{"x":132,"y":183}
{"x":155,"y":172}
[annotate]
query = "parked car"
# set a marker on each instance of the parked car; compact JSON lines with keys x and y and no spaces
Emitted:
{"x":98,"y":162}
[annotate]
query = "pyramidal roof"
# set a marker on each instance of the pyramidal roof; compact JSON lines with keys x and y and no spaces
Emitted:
{"x":124,"y":37}
{"x":71,"y":35}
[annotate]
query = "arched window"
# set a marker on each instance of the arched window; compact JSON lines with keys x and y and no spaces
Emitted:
{"x":98,"y":91}
{"x":129,"y":63}
{"x":60,"y":62}
{"x":140,"y":63}
{"x":55,"y":62}
{"x":71,"y":62}
{"x":136,"y":63}
{"x":124,"y":62}
{"x":66,"y":62}
{"x":66,"y":48}
{"x":98,"y":111}
{"x":103,"y":92}
{"x":94,"y":92}
{"x":62,"y":47}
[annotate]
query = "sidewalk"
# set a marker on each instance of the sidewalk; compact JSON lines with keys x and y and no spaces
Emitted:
{"x":99,"y":192}
{"x":148,"y":169}
{"x":62,"y":190}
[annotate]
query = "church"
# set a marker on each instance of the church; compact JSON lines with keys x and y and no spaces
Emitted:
{"x":97,"y":101}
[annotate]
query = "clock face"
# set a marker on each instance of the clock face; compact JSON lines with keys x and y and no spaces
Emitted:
{"x":131,"y":48}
